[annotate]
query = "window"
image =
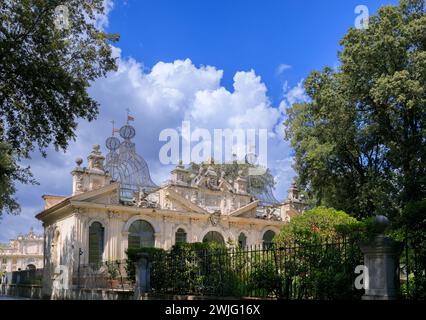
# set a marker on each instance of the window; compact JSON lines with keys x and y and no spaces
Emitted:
{"x":4,"y":261}
{"x":141,"y":234}
{"x":242,"y":240}
{"x":180,"y":236}
{"x":214,"y":236}
{"x":268,"y":236}
{"x":96,"y":243}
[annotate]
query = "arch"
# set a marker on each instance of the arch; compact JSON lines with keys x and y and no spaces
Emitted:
{"x":214,"y":236}
{"x":139,"y":217}
{"x":227,"y":234}
{"x":141,"y":234}
{"x":267,"y":237}
{"x":180,"y":236}
{"x":31,"y":267}
{"x":101,"y":220}
{"x":96,"y":242}
{"x":242,"y":240}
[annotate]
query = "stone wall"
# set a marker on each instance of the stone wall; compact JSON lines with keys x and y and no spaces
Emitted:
{"x":24,"y":291}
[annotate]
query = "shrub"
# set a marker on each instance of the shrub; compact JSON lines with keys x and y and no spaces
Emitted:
{"x":154,"y":254}
{"x":318,"y":223}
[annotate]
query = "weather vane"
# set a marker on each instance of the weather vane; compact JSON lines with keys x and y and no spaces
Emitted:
{"x":129,"y":117}
{"x":113,"y":127}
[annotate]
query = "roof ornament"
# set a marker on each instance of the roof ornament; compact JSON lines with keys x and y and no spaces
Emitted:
{"x":124,"y":164}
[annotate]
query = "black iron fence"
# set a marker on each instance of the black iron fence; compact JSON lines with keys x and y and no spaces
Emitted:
{"x":26,"y":277}
{"x":300,"y":270}
{"x":318,"y":270}
{"x":413,"y":267}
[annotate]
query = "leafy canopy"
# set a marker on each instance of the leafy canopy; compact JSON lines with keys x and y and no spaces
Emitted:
{"x":318,"y":223}
{"x":44,"y":76}
{"x":360,"y":140}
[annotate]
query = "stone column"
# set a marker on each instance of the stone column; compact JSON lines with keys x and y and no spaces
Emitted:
{"x":124,"y":242}
{"x":381,"y":257}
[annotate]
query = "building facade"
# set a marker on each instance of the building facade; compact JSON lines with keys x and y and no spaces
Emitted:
{"x":105,"y":215}
{"x":24,"y":252}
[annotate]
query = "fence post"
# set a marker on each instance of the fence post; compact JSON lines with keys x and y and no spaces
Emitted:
{"x":381,"y":257}
{"x":142,"y":275}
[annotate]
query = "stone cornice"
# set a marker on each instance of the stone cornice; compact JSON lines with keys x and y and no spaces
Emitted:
{"x":170,"y":213}
{"x":244,"y":209}
{"x":66,"y":203}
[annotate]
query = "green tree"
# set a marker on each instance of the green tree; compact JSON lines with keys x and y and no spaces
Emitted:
{"x":360,"y":140}
{"x":45,"y":72}
{"x":316,"y":224}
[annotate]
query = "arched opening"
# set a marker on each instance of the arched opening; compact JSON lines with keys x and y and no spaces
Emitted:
{"x":31,"y":267}
{"x":242,"y":240}
{"x":141,"y":234}
{"x":180,"y":236}
{"x":268,"y":236}
{"x":214,"y":236}
{"x":96,"y":243}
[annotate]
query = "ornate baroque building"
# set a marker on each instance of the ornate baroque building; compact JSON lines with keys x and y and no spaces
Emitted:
{"x":115,"y":205}
{"x":24,"y":252}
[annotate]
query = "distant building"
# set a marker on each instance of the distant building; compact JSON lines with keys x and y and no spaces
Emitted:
{"x":24,"y":252}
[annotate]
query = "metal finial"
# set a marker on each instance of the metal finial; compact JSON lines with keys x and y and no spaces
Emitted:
{"x":128,"y":113}
{"x":113,"y":127}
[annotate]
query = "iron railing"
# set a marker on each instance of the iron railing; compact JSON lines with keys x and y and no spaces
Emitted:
{"x":319,"y":270}
{"x":27,"y":277}
{"x":413,"y":267}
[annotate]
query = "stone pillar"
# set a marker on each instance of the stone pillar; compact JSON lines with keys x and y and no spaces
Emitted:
{"x":124,"y":242}
{"x":142,"y":275}
{"x":381,"y":257}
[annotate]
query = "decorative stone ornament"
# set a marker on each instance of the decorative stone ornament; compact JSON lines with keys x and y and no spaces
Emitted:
{"x":96,"y":159}
{"x":215,"y":218}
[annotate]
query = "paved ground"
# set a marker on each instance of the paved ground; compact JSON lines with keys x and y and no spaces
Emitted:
{"x":11,"y":298}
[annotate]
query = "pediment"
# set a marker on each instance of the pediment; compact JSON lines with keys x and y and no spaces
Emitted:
{"x":105,"y":195}
{"x":182,"y":203}
{"x":247,"y":211}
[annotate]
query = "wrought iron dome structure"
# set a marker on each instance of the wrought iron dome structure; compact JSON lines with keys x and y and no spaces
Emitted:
{"x":265,"y":195}
{"x":125,"y":165}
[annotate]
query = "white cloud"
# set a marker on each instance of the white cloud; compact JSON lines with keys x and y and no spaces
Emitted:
{"x":174,"y":91}
{"x":293,"y":95}
{"x":101,"y":20}
{"x":246,"y":107}
{"x":281,"y":68}
{"x":162,"y":98}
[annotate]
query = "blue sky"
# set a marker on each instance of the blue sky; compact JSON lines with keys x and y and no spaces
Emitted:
{"x":238,"y":34}
{"x":218,"y":63}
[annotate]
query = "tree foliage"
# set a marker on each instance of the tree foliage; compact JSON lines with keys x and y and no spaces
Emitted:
{"x":44,"y":76}
{"x":360,"y":140}
{"x":316,"y":224}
